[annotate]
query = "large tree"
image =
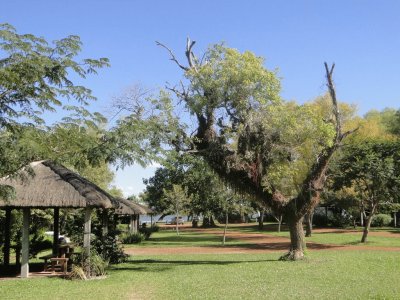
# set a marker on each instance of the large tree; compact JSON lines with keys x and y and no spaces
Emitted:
{"x":36,"y":76}
{"x":243,"y":130}
{"x":372,"y":171}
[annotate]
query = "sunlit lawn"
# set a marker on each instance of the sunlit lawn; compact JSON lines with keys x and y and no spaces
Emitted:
{"x":325,"y":275}
{"x":339,"y":237}
{"x":169,"y":238}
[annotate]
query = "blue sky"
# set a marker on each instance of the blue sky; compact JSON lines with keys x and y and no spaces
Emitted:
{"x":361,"y":37}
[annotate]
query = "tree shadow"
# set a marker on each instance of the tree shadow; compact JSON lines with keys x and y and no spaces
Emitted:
{"x":159,"y":265}
{"x":13,"y":270}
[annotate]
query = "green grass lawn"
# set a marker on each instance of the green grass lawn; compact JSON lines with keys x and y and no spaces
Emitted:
{"x":169,"y":238}
{"x":337,"y":238}
{"x":324,"y":275}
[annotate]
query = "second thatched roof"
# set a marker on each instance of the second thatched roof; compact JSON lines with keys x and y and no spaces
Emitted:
{"x":53,"y":185}
{"x":127,"y":207}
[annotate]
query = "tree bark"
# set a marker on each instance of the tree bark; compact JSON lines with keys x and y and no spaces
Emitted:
{"x":226,"y":226}
{"x":261,"y":220}
{"x":368,"y":225}
{"x":309,"y":220}
{"x":362,"y":218}
{"x":280,"y":223}
{"x":297,"y":242}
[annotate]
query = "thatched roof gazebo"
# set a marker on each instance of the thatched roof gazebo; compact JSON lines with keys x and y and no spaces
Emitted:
{"x":52,"y":186}
{"x":134,"y":210}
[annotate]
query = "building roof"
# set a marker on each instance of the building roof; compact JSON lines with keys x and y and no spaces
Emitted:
{"x":127,"y":207}
{"x":53,"y":185}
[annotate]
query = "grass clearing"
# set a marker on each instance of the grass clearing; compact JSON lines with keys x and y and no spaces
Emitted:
{"x":327,"y":274}
{"x":169,"y":238}
{"x":324,"y":275}
{"x":339,"y":237}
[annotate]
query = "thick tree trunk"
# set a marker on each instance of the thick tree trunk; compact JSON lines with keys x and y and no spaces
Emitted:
{"x":309,"y":220}
{"x":225,"y":227}
{"x":395,"y":219}
{"x":177,"y":225}
{"x":362,"y":218}
{"x":368,"y":225}
{"x":261,"y":220}
{"x":279,"y":220}
{"x":297,"y":242}
{"x":280,"y":223}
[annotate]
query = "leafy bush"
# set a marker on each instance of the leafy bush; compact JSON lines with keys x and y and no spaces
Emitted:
{"x":110,"y":248}
{"x":320,"y":220}
{"x":87,"y":267}
{"x":148,"y":231}
{"x":38,"y":243}
{"x":381,"y":220}
{"x":133,"y":238}
{"x":341,"y":220}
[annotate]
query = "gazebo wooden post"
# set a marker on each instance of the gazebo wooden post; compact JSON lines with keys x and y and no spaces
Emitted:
{"x":56,"y":230}
{"x":87,"y":230}
{"x":86,"y":237}
{"x":132,"y":225}
{"x":25,"y":244}
{"x":104,"y":222}
{"x":137,"y":222}
{"x":7,"y":237}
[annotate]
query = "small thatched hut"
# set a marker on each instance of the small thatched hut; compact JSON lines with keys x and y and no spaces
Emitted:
{"x":52,"y":186}
{"x":134,"y":210}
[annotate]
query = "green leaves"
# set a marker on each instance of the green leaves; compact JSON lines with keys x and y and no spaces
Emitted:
{"x":231,"y":80}
{"x":373,"y":169}
{"x":34,"y":76}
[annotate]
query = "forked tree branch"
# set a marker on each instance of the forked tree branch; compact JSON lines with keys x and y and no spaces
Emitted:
{"x":172,"y":56}
{"x":332,"y":92}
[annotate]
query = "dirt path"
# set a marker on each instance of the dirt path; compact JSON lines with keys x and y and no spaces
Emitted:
{"x":255,"y":243}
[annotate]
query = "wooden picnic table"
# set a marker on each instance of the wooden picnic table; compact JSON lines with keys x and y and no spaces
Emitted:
{"x":53,"y":263}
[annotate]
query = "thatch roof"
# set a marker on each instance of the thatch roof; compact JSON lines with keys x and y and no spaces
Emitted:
{"x":53,"y":185}
{"x":127,"y":207}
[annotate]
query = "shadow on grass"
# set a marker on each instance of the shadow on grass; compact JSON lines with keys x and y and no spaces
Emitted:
{"x":267,"y":228}
{"x":156,"y":265}
{"x":184,"y":239}
{"x":14,"y":270}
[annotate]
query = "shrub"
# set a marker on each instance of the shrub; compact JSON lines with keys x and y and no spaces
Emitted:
{"x":381,"y":220}
{"x":148,"y":231}
{"x":110,"y":249}
{"x":341,"y":220}
{"x":38,"y":243}
{"x":320,"y":220}
{"x":133,"y":238}
{"x":87,"y":267}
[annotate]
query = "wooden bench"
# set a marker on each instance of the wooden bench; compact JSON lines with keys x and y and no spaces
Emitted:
{"x":59,"y":263}
{"x":46,"y":259}
{"x":56,"y":263}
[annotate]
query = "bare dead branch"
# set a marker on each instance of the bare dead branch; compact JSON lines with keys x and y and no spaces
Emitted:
{"x":332,"y":92}
{"x":348,"y":133}
{"x":173,"y":58}
{"x":189,"y":54}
